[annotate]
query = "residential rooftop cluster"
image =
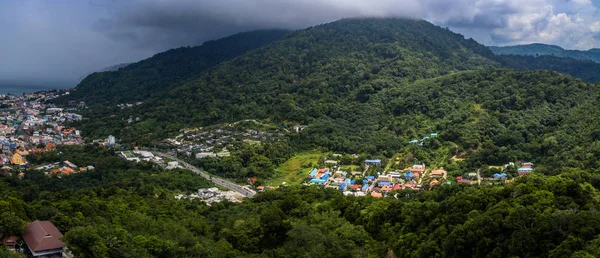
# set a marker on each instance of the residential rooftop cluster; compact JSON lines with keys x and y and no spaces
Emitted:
{"x":141,"y":155}
{"x":64,"y":168}
{"x":379,"y":184}
{"x":29,"y":125}
{"x":211,"y":195}
{"x":215,"y":141}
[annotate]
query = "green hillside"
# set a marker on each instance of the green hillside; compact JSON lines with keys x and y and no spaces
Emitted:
{"x":548,"y":50}
{"x":327,"y":70}
{"x":157,"y":74}
{"x":326,"y":76}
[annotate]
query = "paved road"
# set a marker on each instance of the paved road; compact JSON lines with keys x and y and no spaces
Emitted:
{"x":245,"y":191}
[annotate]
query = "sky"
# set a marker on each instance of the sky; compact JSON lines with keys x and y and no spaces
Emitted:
{"x":57,"y":42}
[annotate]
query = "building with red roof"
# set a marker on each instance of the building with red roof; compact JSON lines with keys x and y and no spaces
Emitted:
{"x":10,"y":242}
{"x":43,"y":239}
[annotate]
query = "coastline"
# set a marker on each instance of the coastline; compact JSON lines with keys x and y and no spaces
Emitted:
{"x":24,"y":89}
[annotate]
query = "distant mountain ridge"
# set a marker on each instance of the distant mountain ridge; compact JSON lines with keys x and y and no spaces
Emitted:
{"x":106,"y":69}
{"x":159,"y":73}
{"x":538,"y":49}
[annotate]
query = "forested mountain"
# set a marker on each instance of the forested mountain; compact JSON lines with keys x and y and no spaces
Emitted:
{"x":163,"y":71}
{"x":299,"y":77}
{"x":327,"y":76}
{"x":550,"y":50}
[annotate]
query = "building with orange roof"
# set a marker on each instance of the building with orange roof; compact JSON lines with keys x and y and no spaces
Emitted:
{"x":50,"y":146}
{"x":17,"y":159}
{"x":387,"y":188}
{"x":67,"y":171}
{"x":437,"y":173}
{"x":376,"y":194}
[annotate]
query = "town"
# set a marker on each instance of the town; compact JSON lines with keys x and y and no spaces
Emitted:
{"x":29,"y":125}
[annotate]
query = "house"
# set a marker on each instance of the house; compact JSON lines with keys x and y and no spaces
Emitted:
{"x":376,"y":194}
{"x":260,"y":189}
{"x":394,"y":174}
{"x":384,"y":183}
{"x":17,"y":159}
{"x":409,"y":185}
{"x":10,"y":242}
{"x":434,"y":182}
{"x":42,"y":239}
{"x":386,"y":188}
{"x":331,"y":162}
{"x":318,"y":181}
{"x":373,"y":162}
{"x":67,"y":171}
{"x":69,"y":164}
{"x":384,"y":178}
{"x":502,"y":176}
{"x":526,"y":165}
{"x":524,"y":171}
{"x":313,"y":173}
{"x":525,"y":168}
{"x":460,"y":179}
{"x":437,"y":173}
{"x":417,"y":170}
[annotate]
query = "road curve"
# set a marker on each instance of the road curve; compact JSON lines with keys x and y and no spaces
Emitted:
{"x":245,"y":191}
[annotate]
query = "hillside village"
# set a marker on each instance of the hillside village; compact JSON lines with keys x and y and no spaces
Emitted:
{"x":216,"y":141}
{"x":415,"y":177}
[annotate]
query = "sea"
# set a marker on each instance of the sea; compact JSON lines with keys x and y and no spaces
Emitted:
{"x":24,"y":89}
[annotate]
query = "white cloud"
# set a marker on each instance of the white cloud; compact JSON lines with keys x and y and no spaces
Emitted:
{"x":574,"y":25}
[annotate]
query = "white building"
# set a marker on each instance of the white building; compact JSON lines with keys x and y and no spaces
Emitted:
{"x":111,"y":140}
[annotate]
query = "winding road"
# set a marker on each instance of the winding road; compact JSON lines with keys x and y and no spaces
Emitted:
{"x":245,"y":191}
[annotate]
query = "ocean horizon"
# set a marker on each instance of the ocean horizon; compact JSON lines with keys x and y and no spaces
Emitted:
{"x":24,"y":89}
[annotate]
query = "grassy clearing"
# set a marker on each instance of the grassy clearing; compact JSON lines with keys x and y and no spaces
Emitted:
{"x":296,"y":169}
{"x":351,"y":168}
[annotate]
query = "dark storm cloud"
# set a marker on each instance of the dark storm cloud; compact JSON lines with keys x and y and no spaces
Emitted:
{"x":176,"y":23}
{"x":62,"y":40}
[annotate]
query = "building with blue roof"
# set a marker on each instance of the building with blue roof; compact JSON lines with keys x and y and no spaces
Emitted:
{"x":502,"y":176}
{"x":313,"y":173}
{"x":318,"y":181}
